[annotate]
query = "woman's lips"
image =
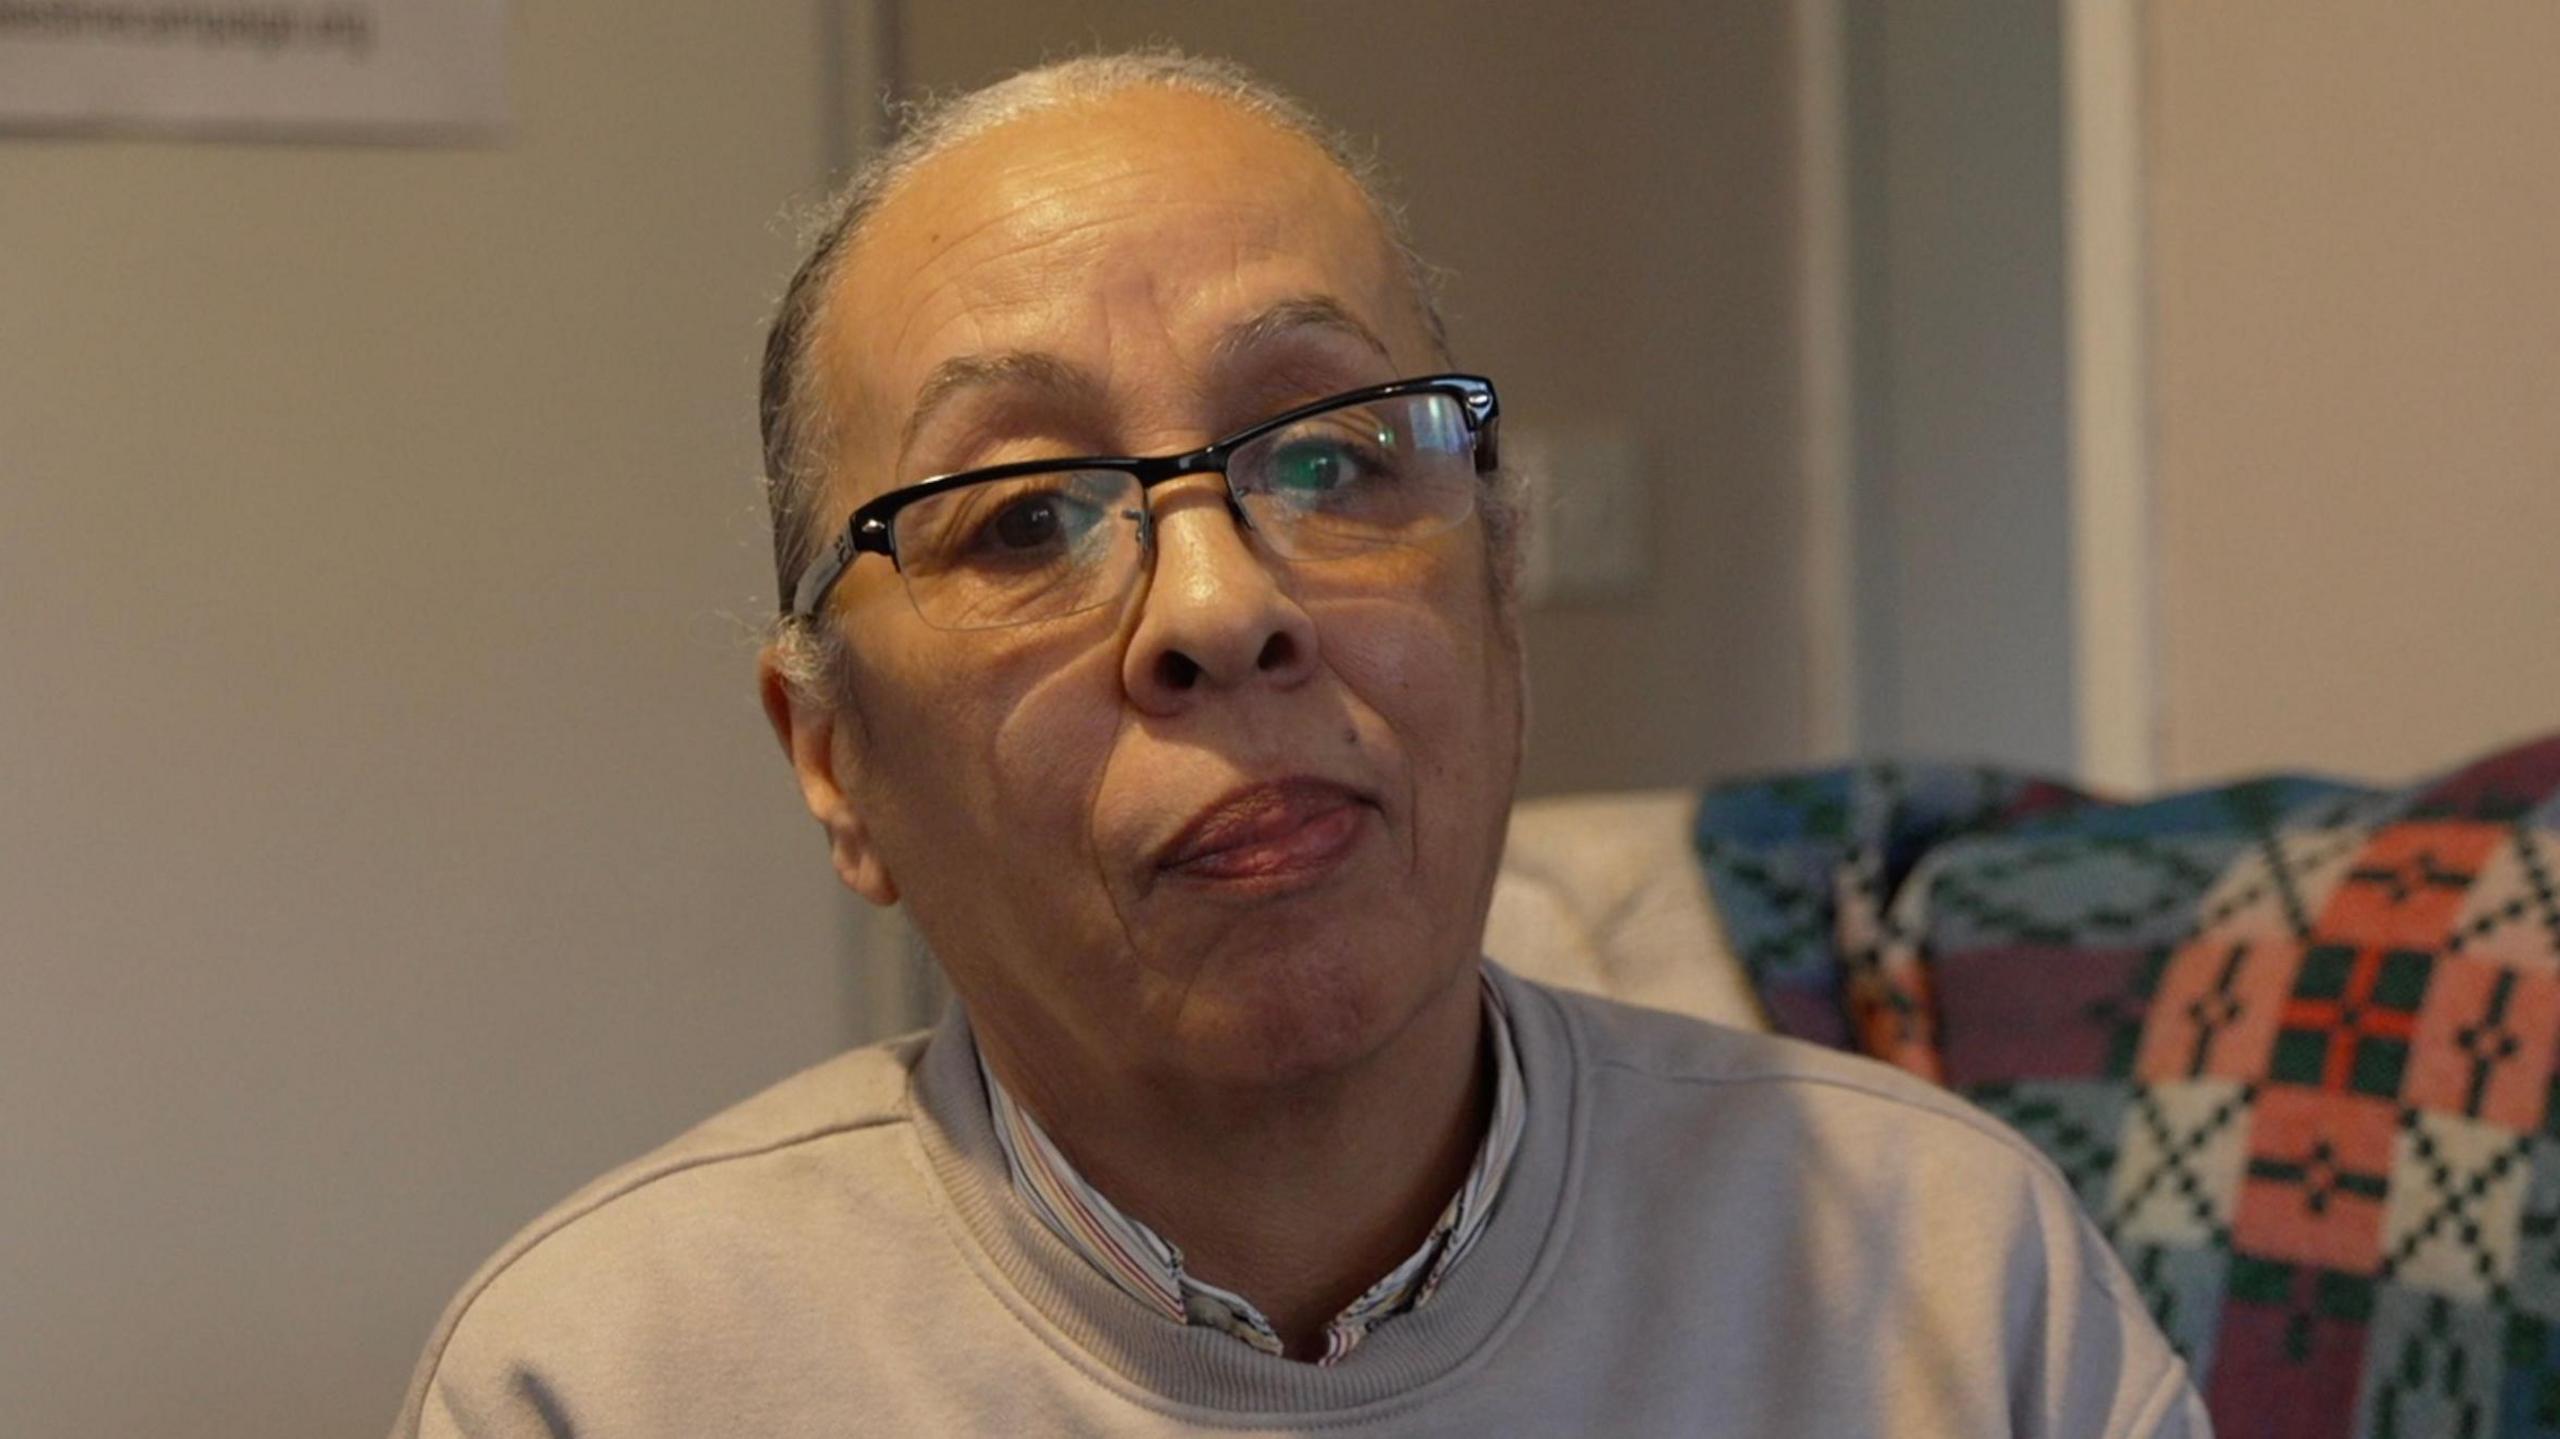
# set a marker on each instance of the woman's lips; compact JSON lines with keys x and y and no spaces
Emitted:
{"x":1294,"y":829}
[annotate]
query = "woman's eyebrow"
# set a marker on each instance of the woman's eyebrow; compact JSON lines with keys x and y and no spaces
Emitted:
{"x":1298,"y":312}
{"x":1006,"y":369}
{"x":1057,"y":379}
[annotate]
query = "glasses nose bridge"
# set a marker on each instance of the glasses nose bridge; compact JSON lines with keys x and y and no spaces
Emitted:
{"x":1206,"y":460}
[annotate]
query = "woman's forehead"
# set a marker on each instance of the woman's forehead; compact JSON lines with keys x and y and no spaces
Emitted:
{"x":1123,"y":237}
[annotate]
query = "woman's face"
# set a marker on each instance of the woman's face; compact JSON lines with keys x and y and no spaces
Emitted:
{"x":1241,"y":828}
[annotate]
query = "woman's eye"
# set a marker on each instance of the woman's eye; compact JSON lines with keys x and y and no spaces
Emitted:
{"x":1027,"y":524}
{"x":1315,"y":467}
{"x":1031,"y":526}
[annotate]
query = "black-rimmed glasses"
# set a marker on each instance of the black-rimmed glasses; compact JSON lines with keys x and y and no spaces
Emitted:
{"x":1375,"y":468}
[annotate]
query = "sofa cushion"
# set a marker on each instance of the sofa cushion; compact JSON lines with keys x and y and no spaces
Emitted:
{"x":1602,"y":893}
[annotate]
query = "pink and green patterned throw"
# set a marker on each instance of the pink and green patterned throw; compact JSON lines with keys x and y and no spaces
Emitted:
{"x":2293,"y":1042}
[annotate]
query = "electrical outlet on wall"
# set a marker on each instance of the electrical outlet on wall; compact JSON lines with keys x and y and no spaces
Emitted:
{"x":1590,"y":540}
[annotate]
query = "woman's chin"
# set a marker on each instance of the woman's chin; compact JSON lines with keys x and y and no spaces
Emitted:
{"x":1306,"y":1019}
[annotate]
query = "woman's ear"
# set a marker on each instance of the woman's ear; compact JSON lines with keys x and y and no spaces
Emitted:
{"x":816,"y":739}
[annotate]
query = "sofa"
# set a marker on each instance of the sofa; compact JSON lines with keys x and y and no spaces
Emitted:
{"x":2294,"y":1041}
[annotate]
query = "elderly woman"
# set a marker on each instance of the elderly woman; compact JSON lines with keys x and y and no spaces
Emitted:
{"x":1192,"y":769}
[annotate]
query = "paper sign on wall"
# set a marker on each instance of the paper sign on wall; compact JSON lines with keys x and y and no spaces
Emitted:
{"x":361,"y":69}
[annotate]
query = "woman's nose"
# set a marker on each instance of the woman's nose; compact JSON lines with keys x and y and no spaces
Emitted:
{"x":1215,"y":619}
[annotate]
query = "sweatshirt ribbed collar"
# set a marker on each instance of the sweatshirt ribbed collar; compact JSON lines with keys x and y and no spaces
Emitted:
{"x":1202,"y":1372}
{"x":1130,"y":1253}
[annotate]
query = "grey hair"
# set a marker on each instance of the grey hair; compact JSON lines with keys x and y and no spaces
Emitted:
{"x":800,"y":426}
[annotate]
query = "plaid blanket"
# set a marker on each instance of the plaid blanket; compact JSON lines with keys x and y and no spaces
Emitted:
{"x":2293,"y":1042}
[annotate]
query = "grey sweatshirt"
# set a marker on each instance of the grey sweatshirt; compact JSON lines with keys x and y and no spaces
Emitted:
{"x":1705,"y":1232}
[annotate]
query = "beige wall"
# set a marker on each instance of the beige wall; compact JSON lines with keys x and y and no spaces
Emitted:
{"x":389,"y":840}
{"x":1963,"y":508}
{"x":1613,"y":192}
{"x":2355,"y":250}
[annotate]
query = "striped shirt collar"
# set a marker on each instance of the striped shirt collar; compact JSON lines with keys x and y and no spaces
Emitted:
{"x":1150,"y":1269}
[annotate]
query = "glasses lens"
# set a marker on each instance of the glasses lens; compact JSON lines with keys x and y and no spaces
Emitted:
{"x":1359,"y":477}
{"x":1008,"y":552}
